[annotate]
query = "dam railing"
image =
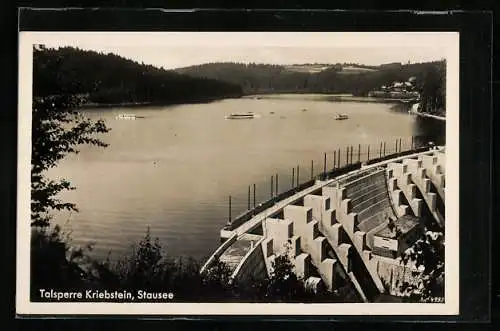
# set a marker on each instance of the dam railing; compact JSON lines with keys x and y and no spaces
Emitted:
{"x":351,"y":163}
{"x":220,"y":250}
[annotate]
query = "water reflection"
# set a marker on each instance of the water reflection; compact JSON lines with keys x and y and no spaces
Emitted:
{"x":427,"y":130}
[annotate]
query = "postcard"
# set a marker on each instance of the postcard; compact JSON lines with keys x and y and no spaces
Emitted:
{"x":238,"y":173}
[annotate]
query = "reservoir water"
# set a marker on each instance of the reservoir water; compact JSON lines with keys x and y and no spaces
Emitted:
{"x":174,"y":169}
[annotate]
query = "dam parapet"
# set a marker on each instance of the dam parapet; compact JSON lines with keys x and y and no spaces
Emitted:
{"x":348,"y":231}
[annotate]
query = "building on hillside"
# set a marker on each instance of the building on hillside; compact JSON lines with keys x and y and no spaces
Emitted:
{"x":397,"y":90}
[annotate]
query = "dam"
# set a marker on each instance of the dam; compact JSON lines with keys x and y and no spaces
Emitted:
{"x":345,"y":229}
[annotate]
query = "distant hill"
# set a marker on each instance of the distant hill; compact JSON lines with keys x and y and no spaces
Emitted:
{"x":355,"y":70}
{"x":350,"y":78}
{"x":109,"y":78}
{"x":307,"y":68}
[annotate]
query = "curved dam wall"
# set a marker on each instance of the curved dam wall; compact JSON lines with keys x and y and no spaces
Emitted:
{"x":334,"y":229}
{"x":363,"y":205}
{"x":253,"y":265}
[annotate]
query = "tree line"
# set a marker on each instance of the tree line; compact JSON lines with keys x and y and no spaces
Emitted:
{"x":264,"y":78}
{"x":109,"y":78}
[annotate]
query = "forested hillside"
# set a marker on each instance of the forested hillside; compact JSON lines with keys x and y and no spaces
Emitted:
{"x":337,"y":78}
{"x":109,"y":78}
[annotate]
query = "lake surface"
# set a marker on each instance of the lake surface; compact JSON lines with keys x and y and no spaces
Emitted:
{"x":173,"y":170}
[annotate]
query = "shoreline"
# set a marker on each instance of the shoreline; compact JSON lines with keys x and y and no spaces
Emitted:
{"x":372,"y":99}
{"x":406,"y":104}
{"x":440,"y":118}
{"x":151,"y":104}
{"x":338,"y":97}
{"x":265,"y":96}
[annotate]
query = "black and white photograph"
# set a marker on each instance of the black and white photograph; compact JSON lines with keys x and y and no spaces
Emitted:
{"x":304,"y":173}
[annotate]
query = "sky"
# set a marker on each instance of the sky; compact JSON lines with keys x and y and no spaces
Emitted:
{"x":171,"y":50}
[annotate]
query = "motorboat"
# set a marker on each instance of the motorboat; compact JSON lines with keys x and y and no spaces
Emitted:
{"x":341,"y":117}
{"x":237,"y":116}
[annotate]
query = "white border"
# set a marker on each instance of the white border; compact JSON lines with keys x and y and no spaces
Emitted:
{"x":448,"y":41}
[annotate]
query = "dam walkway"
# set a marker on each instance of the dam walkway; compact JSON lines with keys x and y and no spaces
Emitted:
{"x":257,"y":219}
